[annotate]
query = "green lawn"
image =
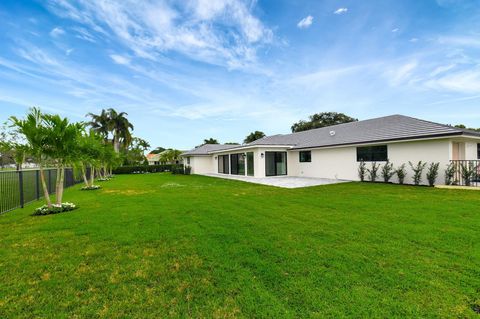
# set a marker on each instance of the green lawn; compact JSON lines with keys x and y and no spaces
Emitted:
{"x":159,"y":245}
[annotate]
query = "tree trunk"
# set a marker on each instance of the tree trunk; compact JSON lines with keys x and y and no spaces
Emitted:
{"x":44,"y":186}
{"x":116,"y":142}
{"x":84,"y":175}
{"x":92,"y":176}
{"x":60,"y":187}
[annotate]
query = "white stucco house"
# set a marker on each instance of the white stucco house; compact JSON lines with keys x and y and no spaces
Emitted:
{"x":335,"y":152}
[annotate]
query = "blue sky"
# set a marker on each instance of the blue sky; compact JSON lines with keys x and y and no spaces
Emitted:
{"x":193,"y":69}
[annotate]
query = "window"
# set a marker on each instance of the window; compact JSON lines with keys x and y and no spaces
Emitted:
{"x":188,"y":160}
{"x":372,"y":153}
{"x":305,"y":156}
{"x":478,"y":151}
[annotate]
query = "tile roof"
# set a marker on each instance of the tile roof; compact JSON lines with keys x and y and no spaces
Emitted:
{"x":382,"y":129}
{"x":388,"y":128}
{"x":206,"y":148}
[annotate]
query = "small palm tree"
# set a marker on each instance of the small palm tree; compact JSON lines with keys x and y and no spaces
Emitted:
{"x":100,"y":123}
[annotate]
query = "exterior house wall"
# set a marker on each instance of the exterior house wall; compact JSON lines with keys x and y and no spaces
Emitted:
{"x":341,"y":163}
{"x":471,"y":151}
{"x":201,"y":164}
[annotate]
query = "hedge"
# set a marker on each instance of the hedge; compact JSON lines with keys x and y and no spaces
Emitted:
{"x":148,"y":169}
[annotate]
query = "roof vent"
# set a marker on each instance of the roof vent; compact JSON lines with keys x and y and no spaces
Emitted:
{"x":332,"y":133}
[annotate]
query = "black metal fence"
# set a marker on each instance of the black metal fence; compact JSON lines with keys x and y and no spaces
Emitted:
{"x":18,"y":188}
{"x":466,"y":172}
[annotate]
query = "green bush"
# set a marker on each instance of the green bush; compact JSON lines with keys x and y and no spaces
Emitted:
{"x":387,"y":172}
{"x":432,"y":173}
{"x":450,"y":172}
{"x":180,"y":169}
{"x":373,"y":172}
{"x":401,"y":173}
{"x":141,"y":169}
{"x":417,"y":171}
{"x":362,"y":170}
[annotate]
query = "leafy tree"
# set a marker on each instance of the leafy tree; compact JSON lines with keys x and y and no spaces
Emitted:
{"x":387,"y":171}
{"x":322,"y":120}
{"x":467,"y":128}
{"x":253,"y":137}
{"x":210,"y":141}
{"x":401,"y":173}
{"x":432,"y":173}
{"x":158,"y":150}
{"x":170,"y":156}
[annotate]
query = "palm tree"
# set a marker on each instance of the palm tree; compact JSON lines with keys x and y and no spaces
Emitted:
{"x":100,"y":123}
{"x":36,"y":134}
{"x":120,"y":127}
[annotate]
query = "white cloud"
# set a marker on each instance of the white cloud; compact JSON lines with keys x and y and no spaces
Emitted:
{"x":218,"y":32}
{"x":400,"y":74}
{"x":341,"y":11}
{"x":119,"y":59}
{"x":465,"y":81}
{"x":57,"y":32}
{"x":305,"y":22}
{"x":413,"y":40}
{"x":395,"y":30}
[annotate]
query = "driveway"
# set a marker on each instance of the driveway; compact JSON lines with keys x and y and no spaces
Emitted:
{"x":282,"y":181}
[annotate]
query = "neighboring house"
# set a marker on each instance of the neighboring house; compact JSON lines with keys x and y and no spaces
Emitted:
{"x":154,"y":159}
{"x":336,"y":151}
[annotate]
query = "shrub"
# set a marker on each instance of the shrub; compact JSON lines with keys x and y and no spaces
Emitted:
{"x":362,"y":170}
{"x":55,"y":209}
{"x":387,"y":172}
{"x":468,"y":172}
{"x":183,"y":170}
{"x":91,"y":188}
{"x":450,"y":174}
{"x":373,"y":172}
{"x":146,"y":169}
{"x":401,"y":173}
{"x":432,"y":173}
{"x":417,"y":171}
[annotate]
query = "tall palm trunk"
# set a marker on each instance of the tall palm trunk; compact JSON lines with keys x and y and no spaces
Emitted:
{"x":84,"y":175}
{"x":60,"y":180}
{"x":92,"y":176}
{"x":116,"y":142}
{"x":44,"y":186}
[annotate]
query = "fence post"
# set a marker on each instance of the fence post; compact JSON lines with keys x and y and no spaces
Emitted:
{"x":20,"y":186}
{"x":37,"y":184}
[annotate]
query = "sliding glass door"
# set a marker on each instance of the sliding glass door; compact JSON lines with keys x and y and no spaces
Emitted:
{"x":223,"y":164}
{"x":250,"y":165}
{"x":275,"y":163}
{"x":237,"y":163}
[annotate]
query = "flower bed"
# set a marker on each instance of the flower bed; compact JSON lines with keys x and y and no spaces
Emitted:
{"x":55,"y":209}
{"x":103,"y":179}
{"x":91,"y":188}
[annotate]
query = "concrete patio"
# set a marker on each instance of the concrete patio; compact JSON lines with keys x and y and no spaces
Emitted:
{"x":282,"y":181}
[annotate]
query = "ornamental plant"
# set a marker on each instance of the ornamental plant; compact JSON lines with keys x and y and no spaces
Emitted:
{"x":468,"y":172}
{"x":362,"y":170}
{"x":373,"y":171}
{"x":450,"y":172}
{"x":387,"y":171}
{"x":401,"y":173}
{"x":54,"y":209}
{"x":417,"y":171}
{"x":432,"y":173}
